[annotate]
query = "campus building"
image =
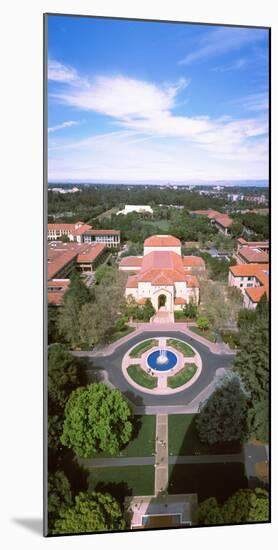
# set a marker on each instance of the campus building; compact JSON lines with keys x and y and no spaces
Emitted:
{"x":163,"y":275}
{"x":252,"y":252}
{"x":252,"y":280}
{"x":222,"y":222}
{"x":64,"y":258}
{"x":156,"y":512}
{"x":84,"y":233}
{"x":140,"y":208}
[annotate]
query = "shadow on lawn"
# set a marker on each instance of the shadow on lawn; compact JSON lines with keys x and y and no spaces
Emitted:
{"x":208,"y":479}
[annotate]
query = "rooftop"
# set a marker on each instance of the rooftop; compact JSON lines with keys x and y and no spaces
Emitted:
{"x":162,"y":240}
{"x":60,"y":254}
{"x":253,"y":255}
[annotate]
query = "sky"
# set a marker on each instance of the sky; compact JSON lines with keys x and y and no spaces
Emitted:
{"x":132,"y":101}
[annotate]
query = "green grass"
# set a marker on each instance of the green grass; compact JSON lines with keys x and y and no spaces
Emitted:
{"x":120,"y":334}
{"x":207,"y":334}
{"x":163,"y":225}
{"x":142,"y":347}
{"x":181,"y":346}
{"x":207,"y":480}
{"x":141,"y":377}
{"x":122,"y":481}
{"x":184,"y":441}
{"x":143,"y":442}
{"x":183,"y":376}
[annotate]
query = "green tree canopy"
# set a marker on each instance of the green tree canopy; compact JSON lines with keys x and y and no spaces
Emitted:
{"x":252,"y":364}
{"x":59,"y":495}
{"x":90,"y":512}
{"x":223,"y":416}
{"x":202,"y":322}
{"x":96,"y":419}
{"x":246,"y":505}
{"x":62,"y":375}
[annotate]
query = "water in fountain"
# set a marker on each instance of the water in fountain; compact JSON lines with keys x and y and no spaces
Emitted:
{"x":162,"y":358}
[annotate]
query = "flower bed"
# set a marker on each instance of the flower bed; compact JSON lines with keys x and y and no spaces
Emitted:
{"x":142,"y":347}
{"x":186,"y":350}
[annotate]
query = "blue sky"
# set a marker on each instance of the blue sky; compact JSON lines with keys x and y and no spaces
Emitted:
{"x":146,"y":101}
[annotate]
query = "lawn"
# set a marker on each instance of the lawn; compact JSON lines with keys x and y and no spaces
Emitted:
{"x":141,"y":377}
{"x":184,"y":441}
{"x":207,"y":480}
{"x":183,"y":376}
{"x":143,"y":442}
{"x":204,"y":333}
{"x":122,"y":481}
{"x":120,"y":333}
{"x":181,"y":346}
{"x":142,"y":347}
{"x":163,"y":225}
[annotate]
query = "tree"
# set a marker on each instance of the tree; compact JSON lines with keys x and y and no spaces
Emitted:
{"x":148,"y":310}
{"x":223,"y":416}
{"x":77,"y":291}
{"x":88,"y":323}
{"x":246,"y":505}
{"x":96,"y":419}
{"x":102,"y":272}
{"x":62,"y":375}
{"x":90,"y":512}
{"x":55,"y":430}
{"x":252,"y":364}
{"x":53,"y":333}
{"x":202,"y":322}
{"x":190,"y":310}
{"x":59,"y":496}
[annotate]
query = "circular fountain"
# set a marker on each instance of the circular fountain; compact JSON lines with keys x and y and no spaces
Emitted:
{"x":162,"y":360}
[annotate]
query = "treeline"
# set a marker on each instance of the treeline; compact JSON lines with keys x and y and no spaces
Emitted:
{"x":257,"y":223}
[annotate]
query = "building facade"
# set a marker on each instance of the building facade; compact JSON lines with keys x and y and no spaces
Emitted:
{"x":162,"y":275}
{"x":84,"y":233}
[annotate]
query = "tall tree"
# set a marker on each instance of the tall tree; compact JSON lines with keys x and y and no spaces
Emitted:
{"x":62,"y":375}
{"x":223,"y":416}
{"x":252,"y":364}
{"x":90,"y":512}
{"x":96,"y":419}
{"x":246,"y":505}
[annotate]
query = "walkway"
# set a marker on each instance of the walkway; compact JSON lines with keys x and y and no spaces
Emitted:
{"x":152,"y":460}
{"x":140,"y":328}
{"x":161,"y":454}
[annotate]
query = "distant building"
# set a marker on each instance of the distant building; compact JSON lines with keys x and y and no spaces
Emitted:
{"x":163,"y":275}
{"x":223,"y":222}
{"x":140,"y":208}
{"x":64,"y":190}
{"x":64,"y":258}
{"x":83,"y":233}
{"x":252,"y":280}
{"x":252,"y":252}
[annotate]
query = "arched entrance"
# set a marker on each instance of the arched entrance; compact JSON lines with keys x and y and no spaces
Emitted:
{"x":161,"y":300}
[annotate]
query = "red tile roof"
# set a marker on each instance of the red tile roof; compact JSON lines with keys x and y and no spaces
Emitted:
{"x":81,"y":230}
{"x":131,"y":261}
{"x":180,"y":301}
{"x":224,"y":220}
{"x":55,"y":298}
{"x":247,"y":270}
{"x":132,"y":282}
{"x":253,"y":255}
{"x":60,"y":254}
{"x":61,"y":226}
{"x":102,"y":232}
{"x":162,"y":240}
{"x":193,"y":261}
{"x":90,"y":253}
{"x":256,"y":293}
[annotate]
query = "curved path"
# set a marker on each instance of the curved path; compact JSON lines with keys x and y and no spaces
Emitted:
{"x":112,"y":364}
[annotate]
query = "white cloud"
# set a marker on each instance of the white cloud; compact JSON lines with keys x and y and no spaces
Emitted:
{"x":66,"y":124}
{"x":238,"y":64}
{"x":122,"y":97}
{"x":220,"y":41}
{"x":153,"y":141}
